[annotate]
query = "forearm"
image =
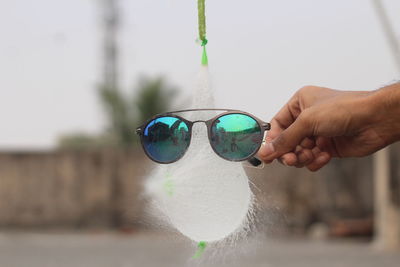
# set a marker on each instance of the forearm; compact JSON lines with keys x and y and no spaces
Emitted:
{"x":386,"y":111}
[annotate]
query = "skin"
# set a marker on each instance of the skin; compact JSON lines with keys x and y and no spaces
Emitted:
{"x":319,"y":123}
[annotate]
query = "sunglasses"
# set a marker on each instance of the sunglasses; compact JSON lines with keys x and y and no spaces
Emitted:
{"x":234,"y":135}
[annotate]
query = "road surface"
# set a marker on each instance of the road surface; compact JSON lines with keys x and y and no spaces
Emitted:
{"x":110,"y":249}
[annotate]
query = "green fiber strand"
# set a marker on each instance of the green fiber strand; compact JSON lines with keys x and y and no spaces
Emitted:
{"x":204,"y":58}
{"x":202,"y":30}
{"x":201,"y":246}
{"x":169,"y":187}
{"x":202,"y":19}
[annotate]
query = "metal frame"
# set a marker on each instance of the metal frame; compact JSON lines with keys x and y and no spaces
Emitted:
{"x":264,"y":126}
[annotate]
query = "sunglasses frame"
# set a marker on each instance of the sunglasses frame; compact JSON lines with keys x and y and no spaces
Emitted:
{"x":264,"y":126}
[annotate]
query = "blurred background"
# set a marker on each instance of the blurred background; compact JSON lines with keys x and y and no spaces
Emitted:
{"x":78,"y":76}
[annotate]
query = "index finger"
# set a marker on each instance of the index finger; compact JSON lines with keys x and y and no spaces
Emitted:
{"x":284,"y":118}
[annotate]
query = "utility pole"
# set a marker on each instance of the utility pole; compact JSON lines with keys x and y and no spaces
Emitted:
{"x":387,"y":212}
{"x":111,"y":23}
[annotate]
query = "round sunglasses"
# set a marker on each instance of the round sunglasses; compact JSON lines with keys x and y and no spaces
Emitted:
{"x":234,"y":135}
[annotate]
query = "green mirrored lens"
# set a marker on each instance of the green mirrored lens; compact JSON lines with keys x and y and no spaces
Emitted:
{"x":166,"y":139}
{"x":236,"y":136}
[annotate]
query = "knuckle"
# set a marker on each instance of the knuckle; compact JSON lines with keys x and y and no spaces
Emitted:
{"x":305,"y":157}
{"x":307,"y":89}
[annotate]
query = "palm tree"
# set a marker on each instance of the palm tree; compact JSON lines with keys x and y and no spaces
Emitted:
{"x":124,"y":112}
{"x":153,"y":96}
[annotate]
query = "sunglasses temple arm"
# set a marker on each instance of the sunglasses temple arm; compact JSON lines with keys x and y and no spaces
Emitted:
{"x":254,"y":161}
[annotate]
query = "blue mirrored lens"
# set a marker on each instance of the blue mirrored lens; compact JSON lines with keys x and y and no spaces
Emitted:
{"x":236,"y":136}
{"x":166,"y":139}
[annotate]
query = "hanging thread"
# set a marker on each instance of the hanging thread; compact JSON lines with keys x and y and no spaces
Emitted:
{"x":202,"y":29}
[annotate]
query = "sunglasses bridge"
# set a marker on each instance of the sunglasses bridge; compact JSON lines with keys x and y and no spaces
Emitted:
{"x":139,"y":130}
{"x":193,"y":122}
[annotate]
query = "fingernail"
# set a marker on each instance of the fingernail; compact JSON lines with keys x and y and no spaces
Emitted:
{"x":268,"y":148}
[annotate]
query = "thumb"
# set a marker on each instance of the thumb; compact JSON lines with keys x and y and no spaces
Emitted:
{"x":288,"y":139}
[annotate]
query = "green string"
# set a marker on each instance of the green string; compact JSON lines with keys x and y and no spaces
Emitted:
{"x":201,"y":246}
{"x":202,"y":20}
{"x":202,"y":29}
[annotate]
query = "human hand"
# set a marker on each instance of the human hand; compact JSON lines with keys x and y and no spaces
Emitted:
{"x":320,"y":123}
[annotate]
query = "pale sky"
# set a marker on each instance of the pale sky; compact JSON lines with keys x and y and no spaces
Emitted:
{"x":260,"y":53}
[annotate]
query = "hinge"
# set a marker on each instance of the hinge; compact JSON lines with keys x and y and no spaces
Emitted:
{"x":267,"y":126}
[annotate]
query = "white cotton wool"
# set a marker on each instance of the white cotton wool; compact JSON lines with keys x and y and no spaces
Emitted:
{"x":203,"y":196}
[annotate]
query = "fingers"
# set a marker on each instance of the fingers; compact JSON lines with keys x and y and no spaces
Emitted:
{"x":305,"y":157}
{"x":281,"y":121}
{"x":294,"y":147}
{"x":307,"y":143}
{"x":314,"y":159}
{"x":288,"y":159}
{"x":293,"y":129}
{"x":284,"y":118}
{"x":298,"y":159}
{"x":288,"y":139}
{"x":321,"y":160}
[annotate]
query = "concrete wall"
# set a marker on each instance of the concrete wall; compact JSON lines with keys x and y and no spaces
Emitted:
{"x":70,"y":189}
{"x":103,"y":188}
